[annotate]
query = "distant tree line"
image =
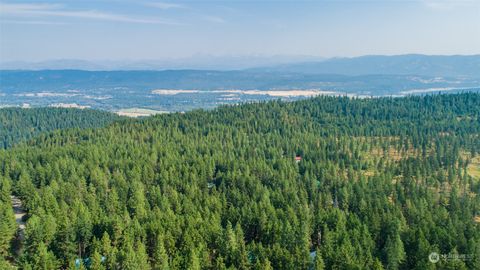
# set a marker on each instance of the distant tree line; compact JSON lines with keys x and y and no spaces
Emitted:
{"x":20,"y":125}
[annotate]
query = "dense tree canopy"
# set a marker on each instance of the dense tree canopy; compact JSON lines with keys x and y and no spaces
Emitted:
{"x":17,"y":125}
{"x":381,"y":184}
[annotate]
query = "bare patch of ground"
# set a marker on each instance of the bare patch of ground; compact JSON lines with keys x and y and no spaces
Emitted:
{"x":68,"y":105}
{"x":18,"y":211}
{"x":172,"y":91}
{"x":272,"y":93}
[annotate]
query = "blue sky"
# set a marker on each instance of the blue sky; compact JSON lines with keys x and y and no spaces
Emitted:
{"x":149,"y":29}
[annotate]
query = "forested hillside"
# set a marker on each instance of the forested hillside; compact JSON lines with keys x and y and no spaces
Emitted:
{"x":18,"y":125}
{"x":379,"y":184}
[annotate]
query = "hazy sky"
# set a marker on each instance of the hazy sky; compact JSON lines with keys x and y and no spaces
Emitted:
{"x":149,"y":29}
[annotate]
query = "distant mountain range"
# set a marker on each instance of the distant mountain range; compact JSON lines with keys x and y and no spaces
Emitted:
{"x":410,"y":64}
{"x":199,"y":62}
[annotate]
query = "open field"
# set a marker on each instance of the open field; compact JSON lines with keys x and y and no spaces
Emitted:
{"x":138,"y":112}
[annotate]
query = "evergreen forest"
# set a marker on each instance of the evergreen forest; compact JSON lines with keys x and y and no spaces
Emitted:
{"x":322,"y":183}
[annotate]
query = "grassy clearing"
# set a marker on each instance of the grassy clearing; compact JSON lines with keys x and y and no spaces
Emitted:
{"x":473,"y":168}
{"x":477,"y":219}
